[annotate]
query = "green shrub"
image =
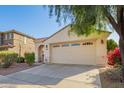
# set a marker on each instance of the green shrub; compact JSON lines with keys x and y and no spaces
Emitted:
{"x":30,"y":58}
{"x":111,"y":45}
{"x":20,"y":60}
{"x":7,"y":58}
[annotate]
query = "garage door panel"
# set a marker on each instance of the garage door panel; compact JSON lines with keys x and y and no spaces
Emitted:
{"x":83,"y":54}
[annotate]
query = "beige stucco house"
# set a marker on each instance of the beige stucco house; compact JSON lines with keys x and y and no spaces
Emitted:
{"x":16,"y":41}
{"x":65,"y":47}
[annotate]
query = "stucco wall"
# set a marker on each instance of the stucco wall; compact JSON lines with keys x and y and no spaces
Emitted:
{"x":100,"y":48}
{"x":101,"y":51}
{"x":64,"y":36}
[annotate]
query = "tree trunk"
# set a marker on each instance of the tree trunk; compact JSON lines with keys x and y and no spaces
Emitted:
{"x":121,"y":46}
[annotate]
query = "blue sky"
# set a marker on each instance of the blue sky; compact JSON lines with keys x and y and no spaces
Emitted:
{"x":32,"y":20}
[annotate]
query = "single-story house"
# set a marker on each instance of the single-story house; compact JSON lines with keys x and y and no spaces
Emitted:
{"x":65,"y":47}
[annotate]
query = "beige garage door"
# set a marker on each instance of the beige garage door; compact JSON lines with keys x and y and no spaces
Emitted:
{"x":74,"y":53}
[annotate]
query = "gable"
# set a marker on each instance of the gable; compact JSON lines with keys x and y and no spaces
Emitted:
{"x":64,"y":35}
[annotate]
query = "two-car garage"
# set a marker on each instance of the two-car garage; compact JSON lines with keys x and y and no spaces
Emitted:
{"x":74,"y":53}
{"x":68,"y":48}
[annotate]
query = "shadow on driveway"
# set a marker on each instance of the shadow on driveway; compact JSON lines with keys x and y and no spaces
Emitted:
{"x":54,"y":75}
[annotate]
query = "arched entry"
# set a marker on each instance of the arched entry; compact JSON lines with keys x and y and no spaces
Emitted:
{"x":40,"y":54}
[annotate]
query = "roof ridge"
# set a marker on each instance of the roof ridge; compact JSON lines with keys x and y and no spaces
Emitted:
{"x":18,"y":32}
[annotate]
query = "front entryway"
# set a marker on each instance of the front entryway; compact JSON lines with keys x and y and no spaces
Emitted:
{"x":40,"y":54}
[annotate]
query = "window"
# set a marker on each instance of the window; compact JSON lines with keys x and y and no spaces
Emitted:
{"x":84,"y":44}
{"x":76,"y":44}
{"x":65,"y":45}
{"x":25,"y":40}
{"x":10,"y":35}
{"x":56,"y":45}
{"x":91,"y":43}
{"x":6,"y":36}
{"x":87,"y":43}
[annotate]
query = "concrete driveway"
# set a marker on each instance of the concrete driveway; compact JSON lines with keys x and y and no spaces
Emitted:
{"x":53,"y":75}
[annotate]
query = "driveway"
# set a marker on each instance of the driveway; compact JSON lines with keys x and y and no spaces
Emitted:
{"x":53,"y":75}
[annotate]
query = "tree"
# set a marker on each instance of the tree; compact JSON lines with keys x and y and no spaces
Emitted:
{"x":87,"y":18}
{"x":111,"y":45}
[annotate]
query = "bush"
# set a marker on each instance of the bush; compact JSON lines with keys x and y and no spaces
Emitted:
{"x":114,"y":57}
{"x":111,"y":45}
{"x":30,"y":58}
{"x":20,"y":60}
{"x":7,"y":58}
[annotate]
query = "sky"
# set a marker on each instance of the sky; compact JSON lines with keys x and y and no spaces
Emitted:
{"x":32,"y":20}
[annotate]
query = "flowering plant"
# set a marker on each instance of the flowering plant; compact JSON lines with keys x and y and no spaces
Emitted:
{"x":114,"y":57}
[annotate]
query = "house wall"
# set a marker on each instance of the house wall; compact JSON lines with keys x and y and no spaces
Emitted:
{"x":101,"y":51}
{"x":64,"y":36}
{"x":20,"y":46}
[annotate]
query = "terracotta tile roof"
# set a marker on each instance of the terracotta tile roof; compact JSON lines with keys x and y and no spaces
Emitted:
{"x":17,"y":32}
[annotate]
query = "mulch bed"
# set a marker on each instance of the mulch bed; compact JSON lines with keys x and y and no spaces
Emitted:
{"x":107,"y":82}
{"x":15,"y":68}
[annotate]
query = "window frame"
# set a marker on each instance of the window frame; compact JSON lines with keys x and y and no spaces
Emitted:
{"x":6,"y":36}
{"x":65,"y":45}
{"x":75,"y":44}
{"x":87,"y":43}
{"x":55,"y":46}
{"x":10,"y":35}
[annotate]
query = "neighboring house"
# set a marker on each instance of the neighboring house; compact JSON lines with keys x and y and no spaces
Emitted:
{"x":65,"y":47}
{"x":17,"y":42}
